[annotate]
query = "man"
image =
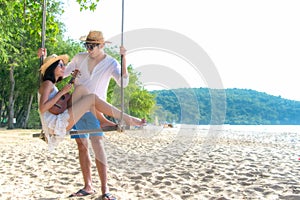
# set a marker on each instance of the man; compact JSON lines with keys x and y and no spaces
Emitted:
{"x":96,"y":69}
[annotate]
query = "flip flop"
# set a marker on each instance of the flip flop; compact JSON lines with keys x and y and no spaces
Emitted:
{"x":108,"y":196}
{"x":81,"y":193}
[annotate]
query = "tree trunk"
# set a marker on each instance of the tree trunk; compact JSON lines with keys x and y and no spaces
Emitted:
{"x":2,"y":119}
{"x":11,"y":98}
{"x":25,"y":122}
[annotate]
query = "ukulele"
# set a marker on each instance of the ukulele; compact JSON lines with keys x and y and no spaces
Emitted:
{"x":61,"y":105}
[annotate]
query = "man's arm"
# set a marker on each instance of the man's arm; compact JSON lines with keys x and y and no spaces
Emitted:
{"x":124,"y":66}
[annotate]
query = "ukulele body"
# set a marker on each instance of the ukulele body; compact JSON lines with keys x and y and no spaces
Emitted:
{"x":61,"y":105}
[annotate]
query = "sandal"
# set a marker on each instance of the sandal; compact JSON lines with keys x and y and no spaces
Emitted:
{"x":82,"y":193}
{"x":108,"y":196}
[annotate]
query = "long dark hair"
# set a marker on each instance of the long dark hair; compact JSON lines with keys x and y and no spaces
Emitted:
{"x":49,"y":73}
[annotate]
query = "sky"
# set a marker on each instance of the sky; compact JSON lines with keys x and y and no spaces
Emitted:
{"x":243,"y":44}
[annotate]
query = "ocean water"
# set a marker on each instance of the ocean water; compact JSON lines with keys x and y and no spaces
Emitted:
{"x":264,"y":128}
{"x":275,"y":134}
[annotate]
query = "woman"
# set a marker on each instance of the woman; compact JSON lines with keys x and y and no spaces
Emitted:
{"x":56,"y":126}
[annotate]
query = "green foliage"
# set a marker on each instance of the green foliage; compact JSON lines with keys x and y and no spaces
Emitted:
{"x":141,"y":103}
{"x":247,"y":107}
{"x":252,"y":107}
{"x":88,"y":4}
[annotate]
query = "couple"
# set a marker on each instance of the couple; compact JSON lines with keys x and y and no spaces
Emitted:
{"x":96,"y":69}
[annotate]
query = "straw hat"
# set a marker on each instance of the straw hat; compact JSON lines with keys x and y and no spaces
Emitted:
{"x":52,"y":59}
{"x":95,"y":37}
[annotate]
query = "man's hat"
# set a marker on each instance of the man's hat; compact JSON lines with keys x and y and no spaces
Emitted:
{"x":95,"y":37}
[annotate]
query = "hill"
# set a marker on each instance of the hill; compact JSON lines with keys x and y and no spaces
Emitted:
{"x":229,"y":106}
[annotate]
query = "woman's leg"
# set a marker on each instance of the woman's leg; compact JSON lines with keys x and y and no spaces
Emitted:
{"x":108,"y":109}
{"x":91,"y":102}
{"x":79,"y":92}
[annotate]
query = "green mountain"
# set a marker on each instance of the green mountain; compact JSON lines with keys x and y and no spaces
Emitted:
{"x":228,"y":106}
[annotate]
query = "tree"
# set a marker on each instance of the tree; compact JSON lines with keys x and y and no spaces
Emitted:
{"x":20,"y":37}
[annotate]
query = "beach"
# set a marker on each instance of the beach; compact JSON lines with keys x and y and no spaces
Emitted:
{"x":184,"y":162}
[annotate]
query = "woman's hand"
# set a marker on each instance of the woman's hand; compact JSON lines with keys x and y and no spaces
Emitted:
{"x":66,"y":88}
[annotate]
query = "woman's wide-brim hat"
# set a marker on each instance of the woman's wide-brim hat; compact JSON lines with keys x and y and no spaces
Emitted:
{"x":52,"y":59}
{"x":94,"y":37}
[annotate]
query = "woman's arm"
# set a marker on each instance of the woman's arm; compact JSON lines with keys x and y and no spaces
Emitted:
{"x":45,"y":90}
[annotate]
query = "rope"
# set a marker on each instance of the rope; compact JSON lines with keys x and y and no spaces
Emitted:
{"x":122,"y":87}
{"x":43,"y":35}
{"x":43,"y":28}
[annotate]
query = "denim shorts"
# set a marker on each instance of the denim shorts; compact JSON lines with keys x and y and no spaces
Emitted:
{"x":87,"y":121}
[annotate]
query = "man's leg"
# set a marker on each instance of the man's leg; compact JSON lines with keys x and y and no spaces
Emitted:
{"x":100,"y":157}
{"x":87,"y":121}
{"x":85,"y":163}
{"x":101,"y":162}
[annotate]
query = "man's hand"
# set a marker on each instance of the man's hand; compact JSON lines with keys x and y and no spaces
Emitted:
{"x":122,"y":51}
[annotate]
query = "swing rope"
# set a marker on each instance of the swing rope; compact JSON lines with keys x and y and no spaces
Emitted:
{"x":43,"y":34}
{"x":122,"y":86}
{"x":41,"y":135}
{"x":43,"y":28}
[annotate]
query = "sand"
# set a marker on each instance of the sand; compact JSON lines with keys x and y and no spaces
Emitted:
{"x":185,"y":162}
